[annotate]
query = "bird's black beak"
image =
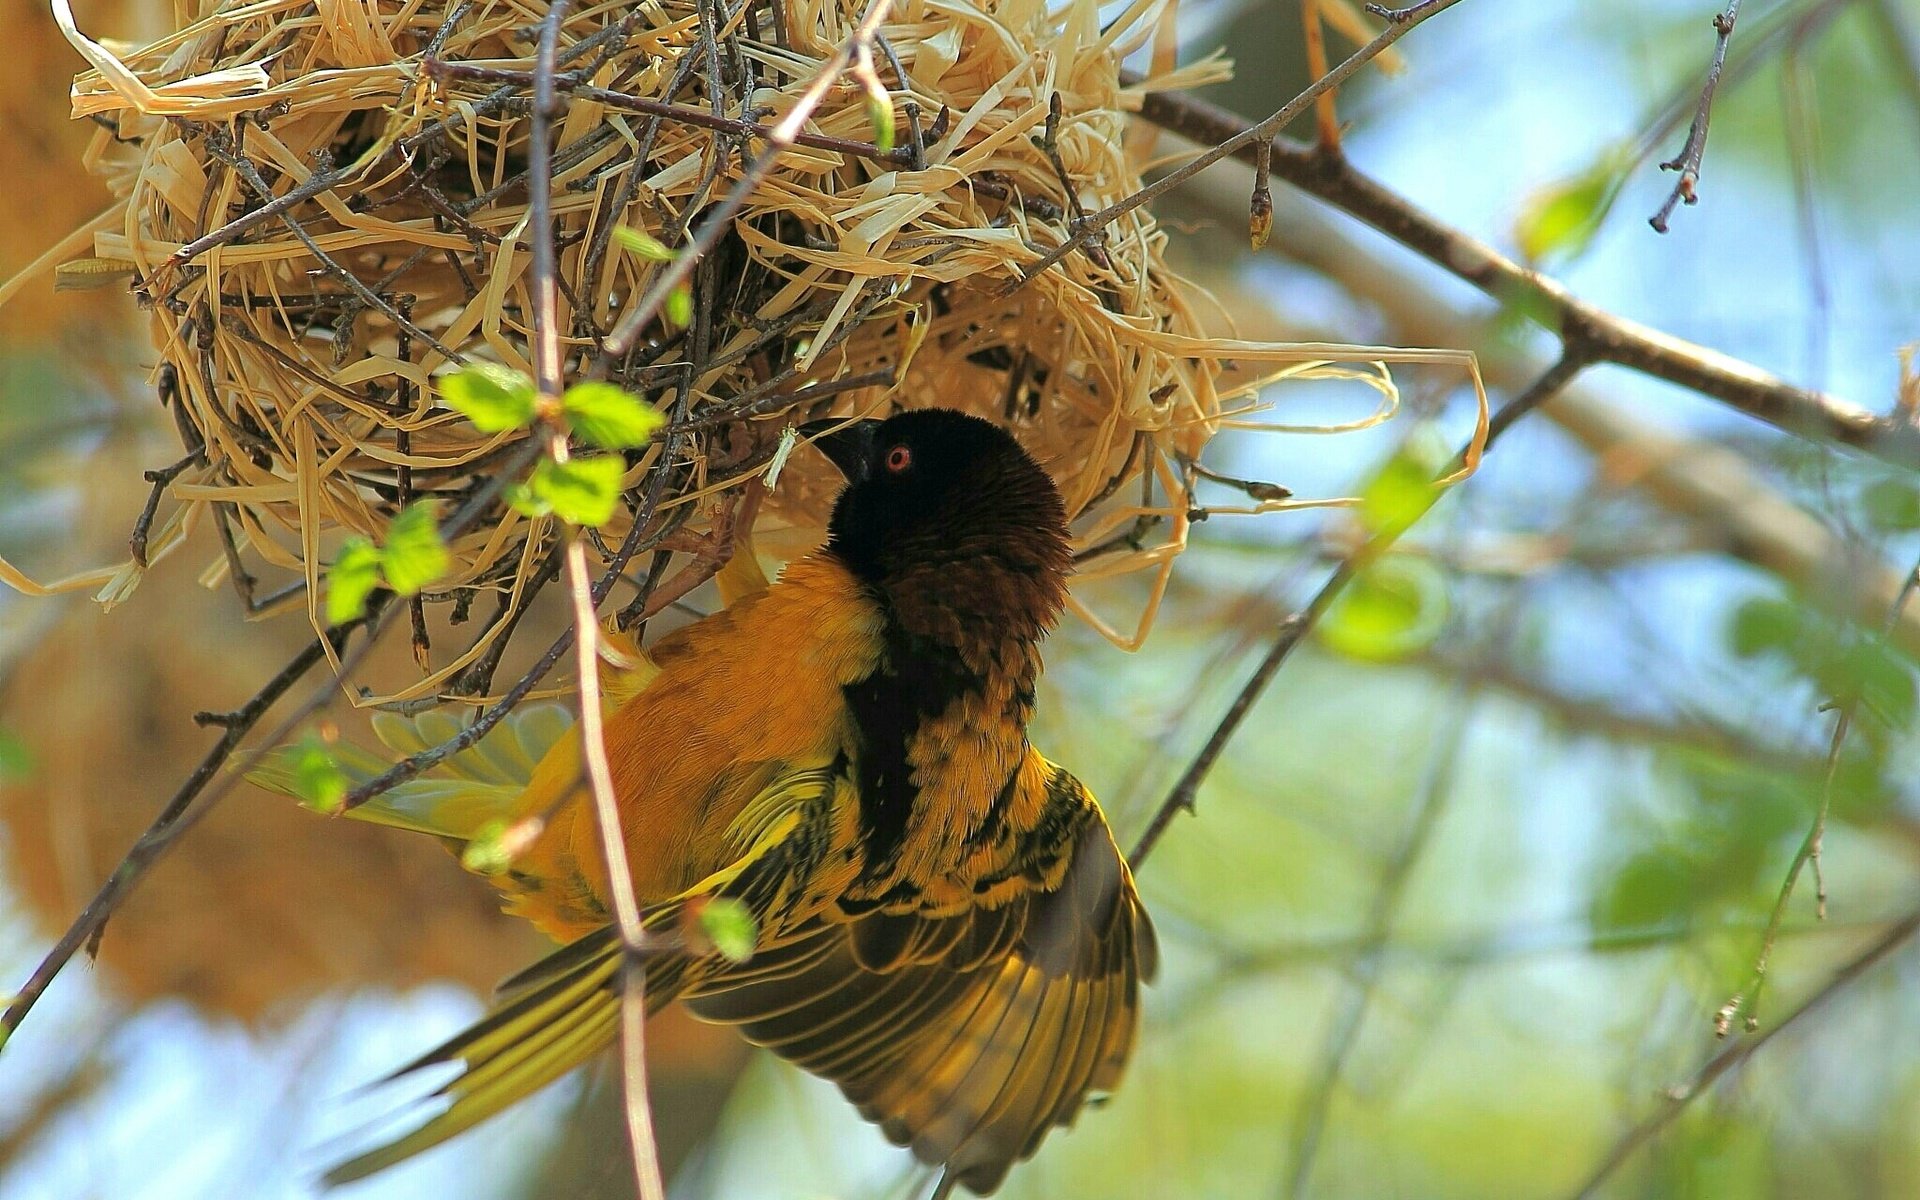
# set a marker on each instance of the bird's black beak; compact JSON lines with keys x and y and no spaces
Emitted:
{"x":849,"y":446}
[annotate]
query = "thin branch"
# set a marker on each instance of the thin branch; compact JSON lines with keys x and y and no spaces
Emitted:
{"x":1688,"y":162}
{"x":1606,"y":337}
{"x":1746,"y":1002}
{"x":1681,"y":1095}
{"x":547,"y":370}
{"x":1084,"y":230}
{"x":180,"y":815}
{"x":1294,"y":630}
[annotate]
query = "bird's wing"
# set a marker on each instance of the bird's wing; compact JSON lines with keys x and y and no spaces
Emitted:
{"x":564,"y":1009}
{"x":965,"y":1037}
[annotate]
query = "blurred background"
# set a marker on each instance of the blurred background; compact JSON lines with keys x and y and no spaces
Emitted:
{"x":1460,"y":902}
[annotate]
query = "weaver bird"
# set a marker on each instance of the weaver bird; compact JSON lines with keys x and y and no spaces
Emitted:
{"x":943,"y":924}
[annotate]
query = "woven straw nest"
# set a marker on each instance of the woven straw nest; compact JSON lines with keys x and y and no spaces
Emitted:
{"x":306,"y":339}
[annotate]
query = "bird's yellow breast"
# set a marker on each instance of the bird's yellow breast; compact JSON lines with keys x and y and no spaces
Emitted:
{"x":741,"y":696}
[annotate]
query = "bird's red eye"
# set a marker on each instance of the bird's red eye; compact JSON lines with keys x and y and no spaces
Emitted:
{"x":899,"y":459}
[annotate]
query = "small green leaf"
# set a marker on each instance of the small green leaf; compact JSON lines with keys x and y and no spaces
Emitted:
{"x":1650,"y":891}
{"x":680,"y":305}
{"x":1873,"y":671}
{"x":415,"y":555}
{"x":1402,"y":491}
{"x":16,"y":761}
{"x":609,"y":416}
{"x":730,"y":926}
{"x":1892,"y":505}
{"x":583,"y":491}
{"x":1395,"y":608}
{"x":880,"y":116}
{"x":1763,"y":624}
{"x":354,"y":575}
{"x":1560,"y":220}
{"x":495,"y":398}
{"x":486,"y":853}
{"x":317,"y":778}
{"x":642,"y":243}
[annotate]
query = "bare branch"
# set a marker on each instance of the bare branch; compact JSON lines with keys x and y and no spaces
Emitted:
{"x":1746,"y":1003}
{"x":1681,"y":1095}
{"x":547,"y":371}
{"x":1688,"y":162}
{"x":1600,"y":334}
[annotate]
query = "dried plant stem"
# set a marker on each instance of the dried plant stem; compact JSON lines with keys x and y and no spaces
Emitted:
{"x":175,"y":819}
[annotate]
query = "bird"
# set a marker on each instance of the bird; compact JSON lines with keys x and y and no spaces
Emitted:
{"x":942,"y":923}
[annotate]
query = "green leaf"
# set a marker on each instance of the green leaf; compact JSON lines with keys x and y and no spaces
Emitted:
{"x":730,"y":926}
{"x":583,"y":491}
{"x":1873,"y":671}
{"x":642,"y":243}
{"x":1650,"y":890}
{"x":317,"y":778}
{"x":16,"y":761}
{"x":1560,"y":220}
{"x":680,"y":305}
{"x":415,"y":555}
{"x":880,"y":116}
{"x":495,"y":398}
{"x":1394,"y":609}
{"x":486,"y":853}
{"x":609,"y":416}
{"x":1891,"y":505}
{"x":1402,"y":491}
{"x":355,"y":573}
{"x":1764,"y":624}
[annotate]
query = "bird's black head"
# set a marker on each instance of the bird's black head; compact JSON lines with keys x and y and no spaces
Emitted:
{"x":945,"y":508}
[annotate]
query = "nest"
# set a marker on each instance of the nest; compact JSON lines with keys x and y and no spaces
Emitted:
{"x":326,"y":202}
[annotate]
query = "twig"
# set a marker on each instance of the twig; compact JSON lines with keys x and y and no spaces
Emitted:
{"x":1295,"y":628}
{"x":1688,"y":161}
{"x":780,"y":138}
{"x":1607,"y":337}
{"x":547,"y":370}
{"x":1399,"y":23}
{"x":320,"y":181}
{"x":175,"y":819}
{"x":1746,"y":1002}
{"x":1681,"y":1095}
{"x":220,"y":147}
{"x":1326,"y":116}
{"x":686,"y":114}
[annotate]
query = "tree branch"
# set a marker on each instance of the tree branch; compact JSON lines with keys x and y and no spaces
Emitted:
{"x":1678,"y":1097}
{"x":1601,"y":335}
{"x":586,"y":629}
